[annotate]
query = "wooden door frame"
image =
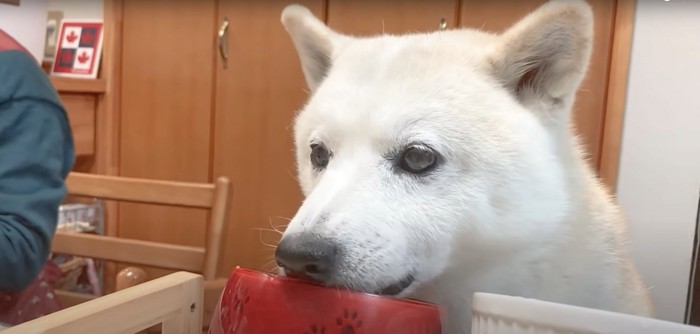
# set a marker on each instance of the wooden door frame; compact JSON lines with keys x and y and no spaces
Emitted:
{"x":108,"y":120}
{"x":618,"y":75}
{"x":107,"y":127}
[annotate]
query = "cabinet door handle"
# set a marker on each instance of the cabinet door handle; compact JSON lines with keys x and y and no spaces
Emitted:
{"x":443,"y":24}
{"x":223,"y":41}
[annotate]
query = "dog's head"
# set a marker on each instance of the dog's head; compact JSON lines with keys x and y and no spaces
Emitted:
{"x":414,"y":148}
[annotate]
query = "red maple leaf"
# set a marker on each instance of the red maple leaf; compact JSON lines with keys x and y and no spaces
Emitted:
{"x":72,"y":37}
{"x":83,"y":57}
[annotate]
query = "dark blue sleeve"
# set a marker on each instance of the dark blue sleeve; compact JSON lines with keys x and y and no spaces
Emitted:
{"x":36,"y":153}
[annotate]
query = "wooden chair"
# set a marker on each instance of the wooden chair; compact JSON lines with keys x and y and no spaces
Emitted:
{"x":204,"y":260}
{"x":175,"y":301}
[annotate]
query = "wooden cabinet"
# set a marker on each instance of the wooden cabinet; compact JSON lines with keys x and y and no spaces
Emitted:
{"x":186,"y":115}
{"x":167,"y":82}
{"x":81,"y":98}
{"x":81,"y":112}
{"x":390,"y":16}
{"x":257,"y":96}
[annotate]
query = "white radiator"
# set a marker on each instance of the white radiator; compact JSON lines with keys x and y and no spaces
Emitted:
{"x":498,"y":314}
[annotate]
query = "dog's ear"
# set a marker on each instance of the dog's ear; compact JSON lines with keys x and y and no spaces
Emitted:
{"x":313,"y":40}
{"x":544,"y":57}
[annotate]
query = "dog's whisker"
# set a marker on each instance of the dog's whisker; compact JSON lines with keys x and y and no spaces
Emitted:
{"x":273,"y":265}
{"x":279,"y":229}
{"x":265,"y":229}
{"x":263,"y":241}
{"x":268,"y":245}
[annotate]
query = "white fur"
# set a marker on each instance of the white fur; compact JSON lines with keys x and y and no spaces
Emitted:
{"x":513,"y":209}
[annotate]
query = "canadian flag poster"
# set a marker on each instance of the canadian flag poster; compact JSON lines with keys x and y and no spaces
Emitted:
{"x":78,"y":49}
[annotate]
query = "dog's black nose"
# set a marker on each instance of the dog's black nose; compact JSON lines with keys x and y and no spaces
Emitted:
{"x":307,"y":255}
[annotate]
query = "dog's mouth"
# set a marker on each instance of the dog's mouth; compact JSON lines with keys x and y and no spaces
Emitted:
{"x":389,"y":290}
{"x":398,"y":287}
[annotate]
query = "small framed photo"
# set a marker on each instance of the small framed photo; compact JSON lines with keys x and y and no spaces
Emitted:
{"x":79,"y":49}
{"x":53,"y":22}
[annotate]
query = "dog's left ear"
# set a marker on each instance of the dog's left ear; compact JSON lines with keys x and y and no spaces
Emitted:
{"x":544,"y":57}
{"x":313,"y":40}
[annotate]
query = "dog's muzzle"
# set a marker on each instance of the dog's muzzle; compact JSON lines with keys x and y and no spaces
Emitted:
{"x":307,"y":255}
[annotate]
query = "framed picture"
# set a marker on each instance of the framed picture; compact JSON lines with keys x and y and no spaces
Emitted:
{"x":79,"y":49}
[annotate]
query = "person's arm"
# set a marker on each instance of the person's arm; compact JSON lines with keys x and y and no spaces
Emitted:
{"x":36,"y":153}
{"x":31,"y":189}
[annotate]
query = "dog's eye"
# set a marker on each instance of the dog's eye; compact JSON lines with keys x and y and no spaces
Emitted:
{"x":319,"y":156}
{"x":418,"y":159}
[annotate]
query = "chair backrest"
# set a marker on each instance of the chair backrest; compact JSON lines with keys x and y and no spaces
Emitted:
{"x":175,"y":301}
{"x":204,"y":260}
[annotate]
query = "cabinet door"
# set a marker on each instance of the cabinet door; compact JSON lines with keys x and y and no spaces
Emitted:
{"x":166,"y":107}
{"x":589,"y":111}
{"x":389,"y":16}
{"x":257,"y":96}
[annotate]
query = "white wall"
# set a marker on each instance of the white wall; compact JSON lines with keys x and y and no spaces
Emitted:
{"x":660,"y":163}
{"x":27,"y":24}
{"x":78,"y":9}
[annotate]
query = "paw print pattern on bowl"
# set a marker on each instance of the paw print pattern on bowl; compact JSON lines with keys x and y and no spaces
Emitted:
{"x":349,"y":322}
{"x":233,"y":316}
{"x":240,"y":299}
{"x":225,"y":307}
{"x":316,"y":330}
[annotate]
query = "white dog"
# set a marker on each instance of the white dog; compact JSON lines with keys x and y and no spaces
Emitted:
{"x":440,"y":164}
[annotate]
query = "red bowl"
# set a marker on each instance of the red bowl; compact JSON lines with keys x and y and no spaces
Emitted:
{"x":257,"y":303}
